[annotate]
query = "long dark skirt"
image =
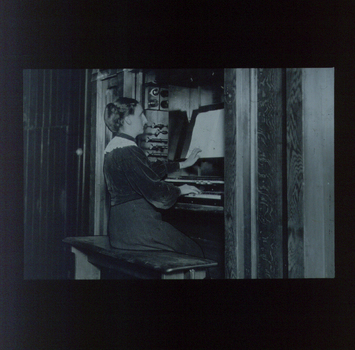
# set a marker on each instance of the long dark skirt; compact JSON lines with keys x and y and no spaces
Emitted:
{"x":136,"y":225}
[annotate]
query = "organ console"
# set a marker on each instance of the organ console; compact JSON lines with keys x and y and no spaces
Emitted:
{"x":206,"y":131}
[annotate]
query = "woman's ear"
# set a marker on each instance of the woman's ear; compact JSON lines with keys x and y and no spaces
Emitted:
{"x":128,"y":120}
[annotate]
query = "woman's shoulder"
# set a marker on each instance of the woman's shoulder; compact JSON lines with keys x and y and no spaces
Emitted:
{"x":119,"y":143}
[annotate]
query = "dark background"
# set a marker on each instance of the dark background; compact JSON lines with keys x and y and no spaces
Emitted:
{"x":297,"y":314}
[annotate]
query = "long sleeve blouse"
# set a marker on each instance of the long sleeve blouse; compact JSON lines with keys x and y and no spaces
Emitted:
{"x":129,"y":174}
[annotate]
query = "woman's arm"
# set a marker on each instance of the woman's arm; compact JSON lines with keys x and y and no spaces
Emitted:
{"x":146,"y":181}
{"x":164,"y":168}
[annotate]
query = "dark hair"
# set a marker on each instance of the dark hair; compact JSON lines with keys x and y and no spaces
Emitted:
{"x":116,"y":112}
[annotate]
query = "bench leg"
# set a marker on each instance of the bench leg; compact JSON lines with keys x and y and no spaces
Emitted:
{"x":197,"y":275}
{"x":191,"y":275}
{"x":83,"y":269}
{"x":173,"y":276}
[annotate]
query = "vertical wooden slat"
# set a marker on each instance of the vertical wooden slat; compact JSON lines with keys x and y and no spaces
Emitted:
{"x":37,"y":234}
{"x":33,"y":98}
{"x":57,"y":232}
{"x":129,"y":86}
{"x":230,"y":175}
{"x":243,"y":172}
{"x":237,"y":170}
{"x":41,"y":170}
{"x":79,"y":117}
{"x":93,"y":107}
{"x":26,"y":121}
{"x":139,"y":87}
{"x":327,"y":86}
{"x":86,"y":157}
{"x":40,"y":97}
{"x":59,"y":98}
{"x":270,"y":173}
{"x":44,"y":170}
{"x":55,"y":97}
{"x":46,"y":186}
{"x":49,"y":168}
{"x":29,"y":206}
{"x":254,"y":170}
{"x":294,"y":172}
{"x":33,"y":152}
{"x":318,"y":110}
{"x":100,"y":189}
{"x":47,"y":97}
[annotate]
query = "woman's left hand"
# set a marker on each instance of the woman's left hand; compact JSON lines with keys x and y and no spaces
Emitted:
{"x":192,"y":159}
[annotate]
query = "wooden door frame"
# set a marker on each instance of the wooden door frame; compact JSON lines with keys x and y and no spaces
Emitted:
{"x":127,"y":83}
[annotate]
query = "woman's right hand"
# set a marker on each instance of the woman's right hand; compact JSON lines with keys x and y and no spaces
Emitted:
{"x":187,"y":189}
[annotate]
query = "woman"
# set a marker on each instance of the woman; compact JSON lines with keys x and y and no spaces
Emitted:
{"x":136,"y":187}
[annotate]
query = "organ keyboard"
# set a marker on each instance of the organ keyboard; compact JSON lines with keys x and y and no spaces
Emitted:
{"x":211,"y":197}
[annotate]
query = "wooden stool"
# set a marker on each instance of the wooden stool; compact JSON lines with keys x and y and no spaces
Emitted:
{"x":94,"y":252}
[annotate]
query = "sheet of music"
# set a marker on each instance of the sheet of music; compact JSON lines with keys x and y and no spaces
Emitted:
{"x":208,"y":134}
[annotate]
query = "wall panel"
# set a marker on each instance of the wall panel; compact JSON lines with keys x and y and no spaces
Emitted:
{"x":270,"y":113}
{"x":53,"y":130}
{"x":231,"y":263}
{"x":237,"y":174}
{"x":295,"y":179}
{"x":318,"y":111}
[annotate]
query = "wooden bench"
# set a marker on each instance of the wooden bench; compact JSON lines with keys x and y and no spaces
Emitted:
{"x":92,"y":253}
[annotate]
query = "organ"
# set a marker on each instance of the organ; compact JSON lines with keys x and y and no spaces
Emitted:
{"x":205,"y":131}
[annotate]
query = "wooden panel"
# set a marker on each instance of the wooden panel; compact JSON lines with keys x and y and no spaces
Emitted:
{"x":237,"y":174}
{"x":27,"y":155}
{"x":44,"y":226}
{"x":93,"y":131}
{"x":52,"y":126}
{"x":29,"y":201}
{"x":40,"y":97}
{"x":100,"y":144}
{"x":327,"y":108}
{"x":32,"y":115}
{"x":243,"y":162}
{"x":294,"y":172}
{"x":318,"y":109}
{"x":58,"y":223}
{"x":129,"y":86}
{"x":270,"y":173}
{"x":139,"y":87}
{"x":231,"y":264}
{"x":85,"y":194}
{"x":254,"y":172}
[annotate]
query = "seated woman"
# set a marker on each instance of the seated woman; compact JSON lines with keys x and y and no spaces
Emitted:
{"x":136,"y":187}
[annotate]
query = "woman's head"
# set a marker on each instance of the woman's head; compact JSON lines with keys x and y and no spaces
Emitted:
{"x":116,"y":112}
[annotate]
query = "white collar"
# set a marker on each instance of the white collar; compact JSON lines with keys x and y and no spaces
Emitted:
{"x":118,"y":142}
